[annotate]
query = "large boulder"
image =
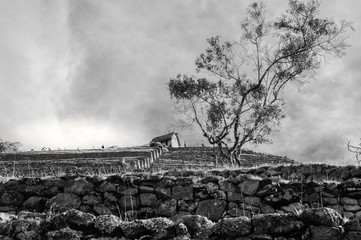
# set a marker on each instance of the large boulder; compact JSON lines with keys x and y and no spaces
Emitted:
{"x":322,"y":216}
{"x":74,"y":219}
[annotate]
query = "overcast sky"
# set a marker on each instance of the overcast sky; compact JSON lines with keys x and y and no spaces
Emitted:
{"x":88,"y":73}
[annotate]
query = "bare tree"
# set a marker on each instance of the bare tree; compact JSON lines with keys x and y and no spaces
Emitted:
{"x":237,"y":95}
{"x":356,"y":150}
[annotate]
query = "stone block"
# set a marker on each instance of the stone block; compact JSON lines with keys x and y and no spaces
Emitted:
{"x":106,"y":187}
{"x":356,"y":172}
{"x":148,"y":200}
{"x":253,"y":201}
{"x":329,"y":201}
{"x":232,"y":227}
{"x":163,"y":192}
{"x":211,"y":208}
{"x":322,"y":216}
{"x":351,"y":208}
{"x":265,"y":209}
{"x":349,"y":201}
{"x":325,"y":233}
{"x":249,"y":187}
{"x":79,"y":187}
{"x":276,"y":224}
{"x":64,"y":201}
{"x":167,"y":208}
{"x":183,"y":192}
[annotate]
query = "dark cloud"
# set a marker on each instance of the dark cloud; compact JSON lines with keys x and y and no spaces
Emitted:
{"x":85,"y":73}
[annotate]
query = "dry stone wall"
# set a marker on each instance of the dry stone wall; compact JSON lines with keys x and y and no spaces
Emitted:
{"x":284,"y":202}
{"x":215,"y":194}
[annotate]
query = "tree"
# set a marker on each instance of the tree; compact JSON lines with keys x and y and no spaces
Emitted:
{"x":236,"y":96}
{"x":356,"y":150}
{"x":6,"y":146}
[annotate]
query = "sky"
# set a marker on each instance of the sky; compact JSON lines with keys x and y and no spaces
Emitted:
{"x":88,"y":73}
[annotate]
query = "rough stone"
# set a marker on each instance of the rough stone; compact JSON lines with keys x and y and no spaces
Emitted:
{"x":187,"y":206}
{"x":35,"y":202}
{"x":353,"y":225}
{"x":199,"y":227}
{"x":148,"y":200}
{"x":233,"y":227}
{"x":79,"y":187}
{"x":92,"y":199}
{"x":163,"y":192}
{"x":249,"y":187}
{"x":110,"y":197}
{"x":348,"y":201}
{"x":351,"y":208}
{"x":167,"y":208}
{"x":352,"y":235}
{"x":329,"y":201}
{"x":101,"y":209}
{"x":276,"y":224}
{"x":12,"y":198}
{"x":106,"y":187}
{"x":183,"y":192}
{"x":26,"y":229}
{"x":74,"y":219}
{"x":253,"y":201}
{"x":266,"y":209}
{"x":156,"y":228}
{"x":235,"y":197}
{"x":322,"y":216}
{"x":108,"y":225}
{"x":356,"y":172}
{"x":64,"y":201}
{"x":65,"y":233}
{"x":146,"y":189}
{"x":227,"y":186}
{"x":211,"y":208}
{"x":325,"y":233}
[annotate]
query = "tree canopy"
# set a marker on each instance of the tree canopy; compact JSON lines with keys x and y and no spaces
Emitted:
{"x":6,"y":146}
{"x":236,"y":97}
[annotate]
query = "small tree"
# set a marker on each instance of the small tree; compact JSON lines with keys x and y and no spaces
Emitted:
{"x":236,"y":97}
{"x":6,"y":146}
{"x":356,"y":150}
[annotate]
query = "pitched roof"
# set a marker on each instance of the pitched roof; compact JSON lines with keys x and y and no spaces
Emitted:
{"x":165,"y":137}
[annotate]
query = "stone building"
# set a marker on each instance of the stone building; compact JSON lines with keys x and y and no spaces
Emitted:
{"x":168,"y":140}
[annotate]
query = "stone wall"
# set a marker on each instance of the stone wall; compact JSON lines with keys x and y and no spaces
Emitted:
{"x":309,"y":224}
{"x":215,"y":194}
{"x":45,"y":163}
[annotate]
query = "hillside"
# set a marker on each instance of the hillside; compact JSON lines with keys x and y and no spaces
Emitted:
{"x":204,"y":158}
